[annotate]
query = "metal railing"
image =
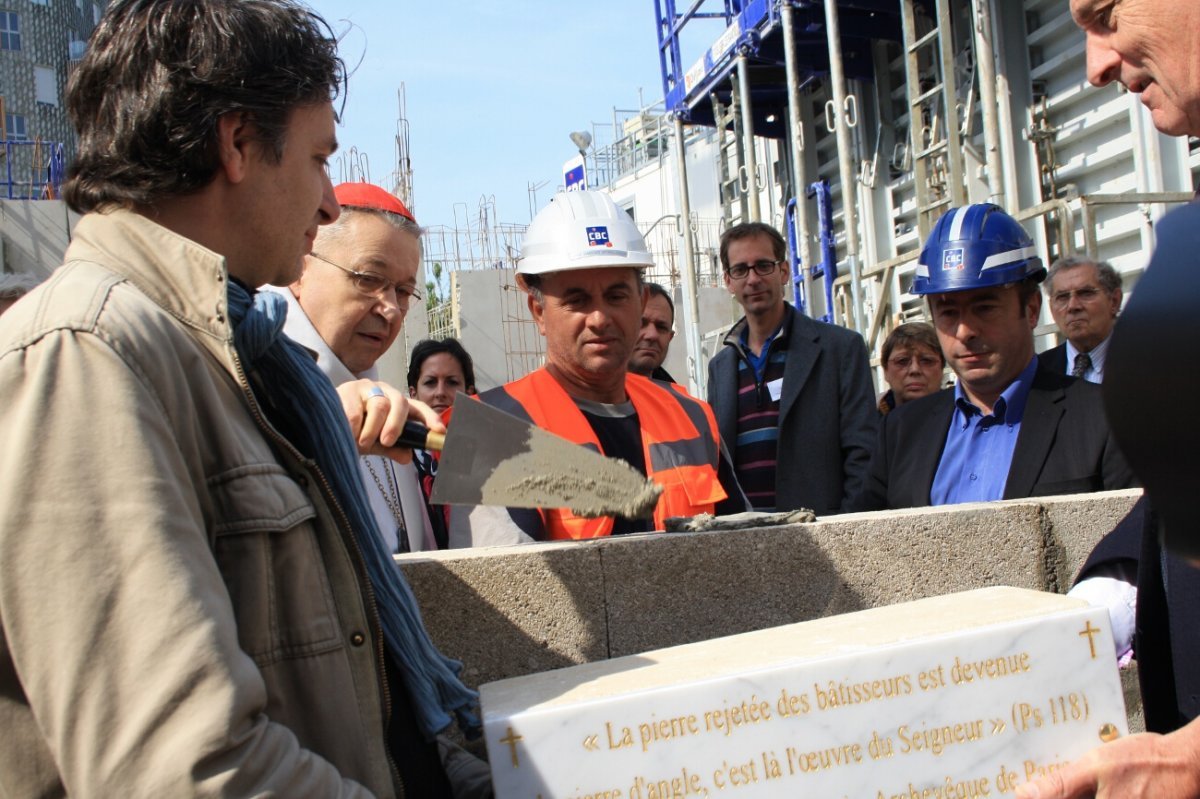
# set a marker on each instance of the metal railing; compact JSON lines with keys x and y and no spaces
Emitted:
{"x":649,"y":143}
{"x":33,"y":170}
{"x":1088,"y":203}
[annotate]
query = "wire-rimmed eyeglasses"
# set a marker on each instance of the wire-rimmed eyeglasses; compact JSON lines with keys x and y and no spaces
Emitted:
{"x":1087,"y":294}
{"x":372,"y":284}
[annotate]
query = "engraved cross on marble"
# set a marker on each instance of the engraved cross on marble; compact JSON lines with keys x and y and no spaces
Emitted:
{"x":1090,"y":631}
{"x":511,"y":739}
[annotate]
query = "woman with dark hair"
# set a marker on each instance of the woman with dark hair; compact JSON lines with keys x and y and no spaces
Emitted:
{"x":437,"y":371}
{"x":913,"y":364}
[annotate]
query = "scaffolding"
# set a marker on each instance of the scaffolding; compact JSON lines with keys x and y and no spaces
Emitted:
{"x":402,"y":176}
{"x":33,"y":170}
{"x":478,"y":242}
{"x":877,"y":116}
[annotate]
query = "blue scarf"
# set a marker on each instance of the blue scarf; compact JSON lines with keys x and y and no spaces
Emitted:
{"x":302,"y":403}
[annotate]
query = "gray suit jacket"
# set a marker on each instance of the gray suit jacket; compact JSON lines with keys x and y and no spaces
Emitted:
{"x":827,"y":414}
{"x":1055,"y":359}
{"x":1064,"y":447}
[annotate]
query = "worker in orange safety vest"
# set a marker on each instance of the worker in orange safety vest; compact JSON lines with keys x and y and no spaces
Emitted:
{"x":581,"y":266}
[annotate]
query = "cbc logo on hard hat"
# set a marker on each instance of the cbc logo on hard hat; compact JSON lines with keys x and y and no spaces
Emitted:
{"x":598,"y":236}
{"x":952,"y":259}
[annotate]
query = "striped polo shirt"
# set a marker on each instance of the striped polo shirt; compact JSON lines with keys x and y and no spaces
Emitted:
{"x":760,"y":385}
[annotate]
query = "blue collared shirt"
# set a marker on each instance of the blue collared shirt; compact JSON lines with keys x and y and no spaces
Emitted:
{"x":979,"y":449}
{"x":759,"y":361}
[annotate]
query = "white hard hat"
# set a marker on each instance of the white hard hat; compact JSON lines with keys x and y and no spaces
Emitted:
{"x":581,"y":230}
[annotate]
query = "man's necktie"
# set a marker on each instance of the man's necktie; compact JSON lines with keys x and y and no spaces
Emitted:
{"x":1083,"y":362}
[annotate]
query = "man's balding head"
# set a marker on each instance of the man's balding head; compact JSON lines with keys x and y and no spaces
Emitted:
{"x":1149,"y":46}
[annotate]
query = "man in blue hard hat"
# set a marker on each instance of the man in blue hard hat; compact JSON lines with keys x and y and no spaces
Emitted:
{"x":1007,"y":430}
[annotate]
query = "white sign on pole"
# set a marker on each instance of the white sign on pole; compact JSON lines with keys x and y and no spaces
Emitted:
{"x":575,"y":174}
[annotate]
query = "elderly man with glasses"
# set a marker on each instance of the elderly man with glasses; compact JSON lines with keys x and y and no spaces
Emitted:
{"x":348,"y":307}
{"x":792,"y":396}
{"x":1085,"y":298}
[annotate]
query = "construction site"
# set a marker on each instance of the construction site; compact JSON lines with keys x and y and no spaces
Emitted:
{"x":849,"y":125}
{"x":852,"y":125}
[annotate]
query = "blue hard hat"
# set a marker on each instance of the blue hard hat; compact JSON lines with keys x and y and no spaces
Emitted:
{"x":974,"y":247}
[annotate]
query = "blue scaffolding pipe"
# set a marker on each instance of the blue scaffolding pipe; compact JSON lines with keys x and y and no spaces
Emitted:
{"x":46,"y":184}
{"x":795,"y":267}
{"x":754,"y":28}
{"x":672,"y":25}
{"x":827,"y":268}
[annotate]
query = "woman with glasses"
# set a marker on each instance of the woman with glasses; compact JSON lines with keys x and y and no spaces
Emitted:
{"x":913,"y":364}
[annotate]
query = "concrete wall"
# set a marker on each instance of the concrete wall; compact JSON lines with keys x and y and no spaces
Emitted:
{"x":495,"y":326}
{"x":34,"y":234}
{"x":511,"y":611}
{"x":718,"y":311}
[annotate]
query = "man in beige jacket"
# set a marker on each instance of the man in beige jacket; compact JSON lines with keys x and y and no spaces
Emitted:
{"x":191,"y":598}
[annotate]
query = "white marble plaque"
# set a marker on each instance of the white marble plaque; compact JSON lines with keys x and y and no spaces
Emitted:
{"x":966,"y":695}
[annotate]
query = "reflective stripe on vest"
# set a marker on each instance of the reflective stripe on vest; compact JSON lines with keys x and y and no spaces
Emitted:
{"x":679,"y":442}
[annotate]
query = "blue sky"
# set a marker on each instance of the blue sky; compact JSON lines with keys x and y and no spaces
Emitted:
{"x":493,"y":90}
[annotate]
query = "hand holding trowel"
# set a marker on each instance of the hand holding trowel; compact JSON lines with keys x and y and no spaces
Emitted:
{"x":492,"y":458}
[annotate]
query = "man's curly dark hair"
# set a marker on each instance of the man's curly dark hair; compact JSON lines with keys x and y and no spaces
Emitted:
{"x":157,"y":76}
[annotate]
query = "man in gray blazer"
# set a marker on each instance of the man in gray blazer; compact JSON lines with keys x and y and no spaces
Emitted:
{"x":792,"y":396}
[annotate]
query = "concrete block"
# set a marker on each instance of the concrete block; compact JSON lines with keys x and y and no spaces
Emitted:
{"x":663,"y":590}
{"x":1133,"y":698}
{"x":896,"y":556}
{"x":508,"y":611}
{"x":1075,"y":523}
{"x":666,"y":590}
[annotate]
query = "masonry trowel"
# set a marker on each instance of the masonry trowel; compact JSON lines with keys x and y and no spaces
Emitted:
{"x":490,"y":457}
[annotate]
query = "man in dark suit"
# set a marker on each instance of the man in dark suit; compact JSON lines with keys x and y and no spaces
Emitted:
{"x":793,"y":397}
{"x":1153,"y":55}
{"x":1084,"y":296}
{"x":1157,"y":546}
{"x":1008,"y":429}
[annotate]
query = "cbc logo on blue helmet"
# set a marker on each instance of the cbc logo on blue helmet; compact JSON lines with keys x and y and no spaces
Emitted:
{"x":974,"y":247}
